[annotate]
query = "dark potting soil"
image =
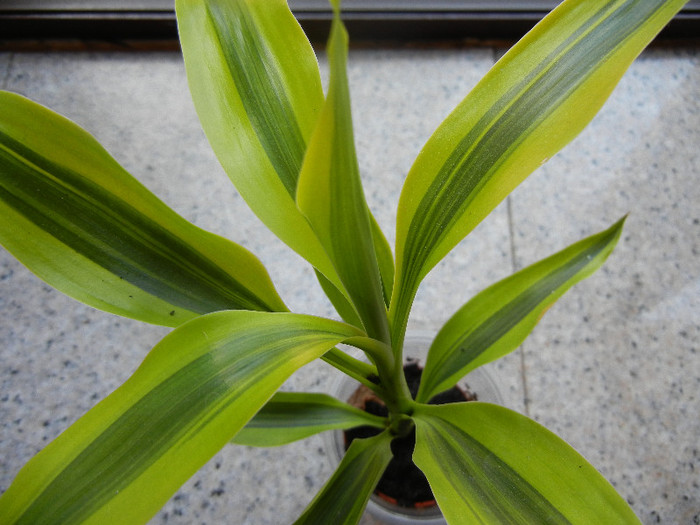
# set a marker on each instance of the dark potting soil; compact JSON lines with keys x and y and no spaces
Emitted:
{"x":403,"y":483}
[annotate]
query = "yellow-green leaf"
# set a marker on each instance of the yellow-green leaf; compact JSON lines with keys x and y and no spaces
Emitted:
{"x":290,"y":416}
{"x":341,"y":303}
{"x":487,"y":464}
{"x":385,"y":260}
{"x":79,"y":221}
{"x":330,"y":195}
{"x":498,"y":319}
{"x":196,"y":389}
{"x":344,"y":497}
{"x":537,"y":98}
{"x":257,"y":90}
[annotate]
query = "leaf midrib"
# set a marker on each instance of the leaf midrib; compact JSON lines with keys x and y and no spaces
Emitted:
{"x":425,"y":236}
{"x":195,"y":271}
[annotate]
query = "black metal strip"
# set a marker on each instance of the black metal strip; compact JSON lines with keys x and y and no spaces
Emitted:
{"x":409,"y":25}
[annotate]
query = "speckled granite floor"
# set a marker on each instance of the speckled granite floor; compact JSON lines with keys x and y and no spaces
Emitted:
{"x":613,"y":367}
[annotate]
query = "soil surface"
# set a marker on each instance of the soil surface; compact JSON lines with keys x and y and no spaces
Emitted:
{"x":402,"y":483}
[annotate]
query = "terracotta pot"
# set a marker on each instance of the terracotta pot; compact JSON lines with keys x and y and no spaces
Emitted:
{"x":380,"y":510}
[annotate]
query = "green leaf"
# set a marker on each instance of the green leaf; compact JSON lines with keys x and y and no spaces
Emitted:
{"x":193,"y":392}
{"x":497,"y":320}
{"x":535,"y":100}
{"x":330,"y":194}
{"x":290,"y":416}
{"x":488,"y":464}
{"x":74,"y":217}
{"x":339,"y":301}
{"x":363,"y":372}
{"x":257,"y":90}
{"x":385,"y":259}
{"x":344,"y":497}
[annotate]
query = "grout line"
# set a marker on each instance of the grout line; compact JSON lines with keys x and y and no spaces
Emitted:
{"x":511,"y":234}
{"x":521,"y":349}
{"x":497,"y":54}
{"x":8,"y":70}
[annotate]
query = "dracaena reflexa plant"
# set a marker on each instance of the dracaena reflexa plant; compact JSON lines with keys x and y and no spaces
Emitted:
{"x":80,"y":222}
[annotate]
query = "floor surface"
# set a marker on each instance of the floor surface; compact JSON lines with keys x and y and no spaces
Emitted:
{"x":613,"y":367}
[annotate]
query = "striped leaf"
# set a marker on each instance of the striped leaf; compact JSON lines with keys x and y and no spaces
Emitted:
{"x":341,"y":304}
{"x":198,"y":387}
{"x":330,"y":194}
{"x":344,"y":497}
{"x":73,"y":216}
{"x":290,"y":416}
{"x":497,"y":320}
{"x":385,"y":260}
{"x":488,"y":464}
{"x":537,"y":98}
{"x":256,"y":87}
{"x":359,"y":370}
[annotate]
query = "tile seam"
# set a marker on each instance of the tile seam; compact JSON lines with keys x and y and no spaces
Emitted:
{"x":514,"y":264}
{"x":497,"y":54}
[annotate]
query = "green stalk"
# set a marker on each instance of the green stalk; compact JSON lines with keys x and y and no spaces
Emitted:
{"x":358,"y":370}
{"x":396,"y":394}
{"x":402,"y":301}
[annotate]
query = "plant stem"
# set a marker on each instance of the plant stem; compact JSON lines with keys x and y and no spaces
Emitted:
{"x":358,"y":370}
{"x":401,"y":425}
{"x":394,"y":389}
{"x":401,"y":302}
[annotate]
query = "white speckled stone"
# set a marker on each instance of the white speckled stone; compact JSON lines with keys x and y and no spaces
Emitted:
{"x":58,"y":358}
{"x":614,"y":367}
{"x":5,"y":59}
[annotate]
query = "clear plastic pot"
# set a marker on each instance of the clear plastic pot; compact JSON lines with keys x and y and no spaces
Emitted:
{"x":380,"y":511}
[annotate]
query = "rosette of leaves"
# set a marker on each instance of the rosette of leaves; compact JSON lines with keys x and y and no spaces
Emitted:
{"x":80,"y":222}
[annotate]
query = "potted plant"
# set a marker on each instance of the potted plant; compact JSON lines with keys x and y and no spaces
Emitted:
{"x":73,"y":216}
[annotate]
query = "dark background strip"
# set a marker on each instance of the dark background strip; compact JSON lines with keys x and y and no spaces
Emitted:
{"x":142,"y":23}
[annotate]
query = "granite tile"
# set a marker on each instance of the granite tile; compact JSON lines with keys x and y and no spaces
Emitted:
{"x":643,"y":305}
{"x":613,"y":367}
{"x":58,"y":358}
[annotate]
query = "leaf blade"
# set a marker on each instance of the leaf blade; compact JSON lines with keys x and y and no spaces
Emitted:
{"x":193,"y":392}
{"x":516,"y":470}
{"x":344,"y":497}
{"x":498,"y":319}
{"x":532,"y":103}
{"x":330,"y":195}
{"x":80,"y":222}
{"x":340,"y":302}
{"x":256,"y":87}
{"x":290,"y":416}
{"x":385,"y":260}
